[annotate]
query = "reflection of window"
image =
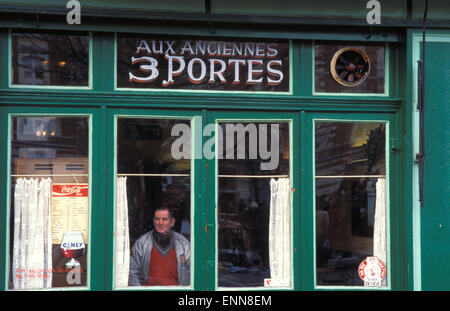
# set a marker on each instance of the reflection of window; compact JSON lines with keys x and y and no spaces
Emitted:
{"x":150,"y":177}
{"x":340,"y":68}
{"x":350,"y":199}
{"x":254,"y":206}
{"x":33,"y":70}
{"x":50,"y":59}
{"x":49,"y":211}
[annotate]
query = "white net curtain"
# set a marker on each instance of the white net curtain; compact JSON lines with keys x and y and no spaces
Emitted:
{"x":379,"y":228}
{"x":122,"y":245}
{"x":32,"y":252}
{"x":280,"y":232}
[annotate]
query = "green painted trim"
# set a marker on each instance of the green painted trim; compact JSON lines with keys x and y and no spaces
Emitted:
{"x":48,"y":87}
{"x":4,"y":200}
{"x":307,"y":263}
{"x":4,"y":35}
{"x":102,"y":58}
{"x":223,"y":26}
{"x":294,"y":175}
{"x":415,"y":40}
{"x":306,"y":75}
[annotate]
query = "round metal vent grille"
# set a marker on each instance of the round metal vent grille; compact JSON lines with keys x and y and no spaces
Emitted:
{"x":350,"y":66}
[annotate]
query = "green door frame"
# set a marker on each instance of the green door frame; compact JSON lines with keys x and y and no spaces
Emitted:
{"x":293,"y":118}
{"x":396,"y":227}
{"x":197,"y":176}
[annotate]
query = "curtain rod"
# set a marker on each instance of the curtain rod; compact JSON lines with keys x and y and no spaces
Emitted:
{"x":154,"y":175}
{"x":253,"y":176}
{"x":352,"y":176}
{"x":50,"y":175}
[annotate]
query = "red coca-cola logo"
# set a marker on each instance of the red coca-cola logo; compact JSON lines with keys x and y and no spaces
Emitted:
{"x":70,"y":189}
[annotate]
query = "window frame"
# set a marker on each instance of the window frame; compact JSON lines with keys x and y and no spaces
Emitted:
{"x":51,"y":87}
{"x":293,"y":120}
{"x":392,"y":235}
{"x":92,"y":199}
{"x":195,"y":123}
{"x":387,"y":67}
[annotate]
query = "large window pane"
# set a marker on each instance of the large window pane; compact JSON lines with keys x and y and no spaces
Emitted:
{"x":50,"y":59}
{"x":49,"y":213}
{"x":351,"y":206}
{"x":254,"y":210}
{"x":153,"y":184}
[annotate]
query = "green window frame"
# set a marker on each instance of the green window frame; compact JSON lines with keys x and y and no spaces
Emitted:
{"x":387,"y":75}
{"x":94,"y":255}
{"x":196,"y":177}
{"x":294,"y":174}
{"x":394,"y":227}
{"x":46,"y":87}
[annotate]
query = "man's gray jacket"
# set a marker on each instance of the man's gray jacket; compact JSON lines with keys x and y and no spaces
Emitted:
{"x":140,"y":259}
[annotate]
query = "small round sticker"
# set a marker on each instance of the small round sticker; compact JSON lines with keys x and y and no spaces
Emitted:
{"x":372,"y":271}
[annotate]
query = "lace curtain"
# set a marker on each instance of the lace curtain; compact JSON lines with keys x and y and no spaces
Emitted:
{"x":32,"y":250}
{"x":280,"y":232}
{"x":122,"y":245}
{"x":379,"y":228}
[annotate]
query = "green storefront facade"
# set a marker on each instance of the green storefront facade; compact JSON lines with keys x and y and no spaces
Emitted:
{"x":299,"y":87}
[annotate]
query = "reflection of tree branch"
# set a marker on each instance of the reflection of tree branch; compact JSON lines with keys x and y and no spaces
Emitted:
{"x":375,"y":148}
{"x":69,"y":47}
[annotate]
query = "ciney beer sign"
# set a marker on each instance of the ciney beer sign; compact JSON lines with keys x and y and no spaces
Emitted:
{"x":203,"y":64}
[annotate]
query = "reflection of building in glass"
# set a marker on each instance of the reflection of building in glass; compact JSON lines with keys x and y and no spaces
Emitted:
{"x":244,"y":214}
{"x":350,"y":160}
{"x":43,"y":59}
{"x":33,"y":64}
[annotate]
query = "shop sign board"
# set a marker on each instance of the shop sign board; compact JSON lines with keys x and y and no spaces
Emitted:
{"x":203,"y":64}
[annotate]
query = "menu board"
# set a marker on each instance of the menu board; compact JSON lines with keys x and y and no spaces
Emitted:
{"x":69,"y":210}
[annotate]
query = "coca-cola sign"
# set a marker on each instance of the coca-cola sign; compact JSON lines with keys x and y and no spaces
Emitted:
{"x":203,"y":64}
{"x":75,"y":190}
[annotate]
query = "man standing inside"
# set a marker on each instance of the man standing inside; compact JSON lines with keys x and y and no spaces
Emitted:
{"x":160,"y":257}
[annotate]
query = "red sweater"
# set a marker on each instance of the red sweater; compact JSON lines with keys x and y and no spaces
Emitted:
{"x":162,"y":270}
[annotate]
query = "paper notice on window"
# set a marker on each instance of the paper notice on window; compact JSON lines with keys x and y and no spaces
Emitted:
{"x":70,"y":206}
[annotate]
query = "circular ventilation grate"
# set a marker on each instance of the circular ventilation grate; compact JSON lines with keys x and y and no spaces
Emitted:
{"x":350,"y":66}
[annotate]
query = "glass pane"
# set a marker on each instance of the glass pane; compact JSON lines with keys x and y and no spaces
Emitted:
{"x":50,"y":59}
{"x":350,"y":210}
{"x":254,"y":210}
{"x":153,"y":195}
{"x":350,"y":148}
{"x":254,"y":149}
{"x":49,"y":213}
{"x":346,"y":64}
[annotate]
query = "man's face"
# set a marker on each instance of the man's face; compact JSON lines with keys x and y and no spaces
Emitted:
{"x":163,"y":222}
